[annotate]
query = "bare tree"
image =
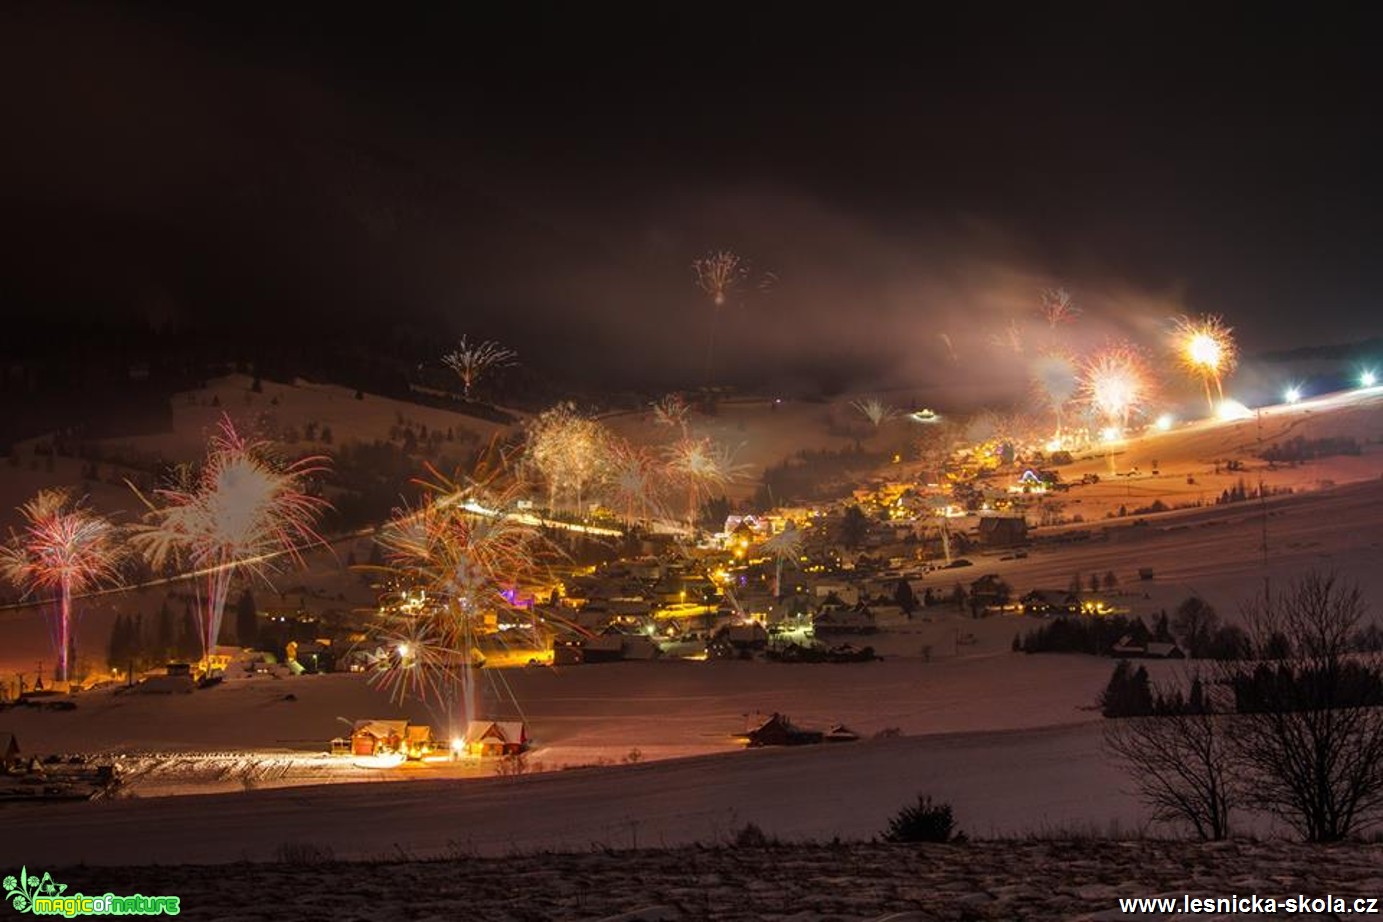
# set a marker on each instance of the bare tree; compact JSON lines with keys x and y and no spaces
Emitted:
{"x":1181,"y":763}
{"x":1309,"y":735}
{"x":1193,"y":624}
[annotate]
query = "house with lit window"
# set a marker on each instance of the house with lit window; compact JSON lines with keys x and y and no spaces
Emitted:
{"x":496,"y":737}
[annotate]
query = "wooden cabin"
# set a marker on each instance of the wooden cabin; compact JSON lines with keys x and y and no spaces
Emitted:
{"x":496,"y":737}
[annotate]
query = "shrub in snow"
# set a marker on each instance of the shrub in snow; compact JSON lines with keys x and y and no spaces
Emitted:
{"x":924,"y":822}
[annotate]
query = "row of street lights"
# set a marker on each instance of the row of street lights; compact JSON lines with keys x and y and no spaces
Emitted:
{"x":1366,"y":379}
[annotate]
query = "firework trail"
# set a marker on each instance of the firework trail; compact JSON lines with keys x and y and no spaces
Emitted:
{"x":719,"y":275}
{"x":1205,"y":350}
{"x":471,"y":362}
{"x":950,"y":348}
{"x":65,"y":548}
{"x":243,"y":509}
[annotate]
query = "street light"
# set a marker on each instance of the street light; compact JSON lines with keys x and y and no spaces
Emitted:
{"x":1292,"y":395}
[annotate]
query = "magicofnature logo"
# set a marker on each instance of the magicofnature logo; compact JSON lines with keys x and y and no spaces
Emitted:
{"x":43,"y":896}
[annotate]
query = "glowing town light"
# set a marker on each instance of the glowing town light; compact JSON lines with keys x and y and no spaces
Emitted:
{"x":1292,"y":395}
{"x":1164,"y":422}
{"x":1110,"y":433}
{"x":404,"y":650}
{"x":1368,"y":379}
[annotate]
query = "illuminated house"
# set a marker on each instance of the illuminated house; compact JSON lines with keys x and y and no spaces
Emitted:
{"x":377,"y":737}
{"x":1046,"y":603}
{"x":496,"y":737}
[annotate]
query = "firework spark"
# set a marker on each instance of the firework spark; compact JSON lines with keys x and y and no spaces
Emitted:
{"x":244,"y":509}
{"x":473,"y":361}
{"x":1116,"y":385}
{"x":1010,"y":338}
{"x":875,"y":410}
{"x":1057,"y":307}
{"x":64,"y":548}
{"x":1206,"y":350}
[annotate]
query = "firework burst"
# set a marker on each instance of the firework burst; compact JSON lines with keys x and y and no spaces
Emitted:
{"x":786,"y":547}
{"x":1206,"y":350}
{"x":1057,"y":307}
{"x":1116,"y":384}
{"x":875,"y":410}
{"x":672,"y":411}
{"x":719,"y":274}
{"x":463,"y":551}
{"x":702,"y":467}
{"x":634,"y":482}
{"x":1055,"y":381}
{"x":64,"y":548}
{"x":413,"y":658}
{"x":569,"y":450}
{"x":995,"y":426}
{"x":242,"y":510}
{"x":472,"y":361}
{"x":1009,"y":339}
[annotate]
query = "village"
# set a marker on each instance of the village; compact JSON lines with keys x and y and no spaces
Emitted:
{"x":918,"y":564}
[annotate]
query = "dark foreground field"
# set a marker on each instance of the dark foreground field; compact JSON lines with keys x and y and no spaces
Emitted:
{"x":1008,"y":880}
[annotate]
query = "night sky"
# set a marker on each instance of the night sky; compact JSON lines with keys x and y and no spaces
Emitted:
{"x":547,"y":177}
